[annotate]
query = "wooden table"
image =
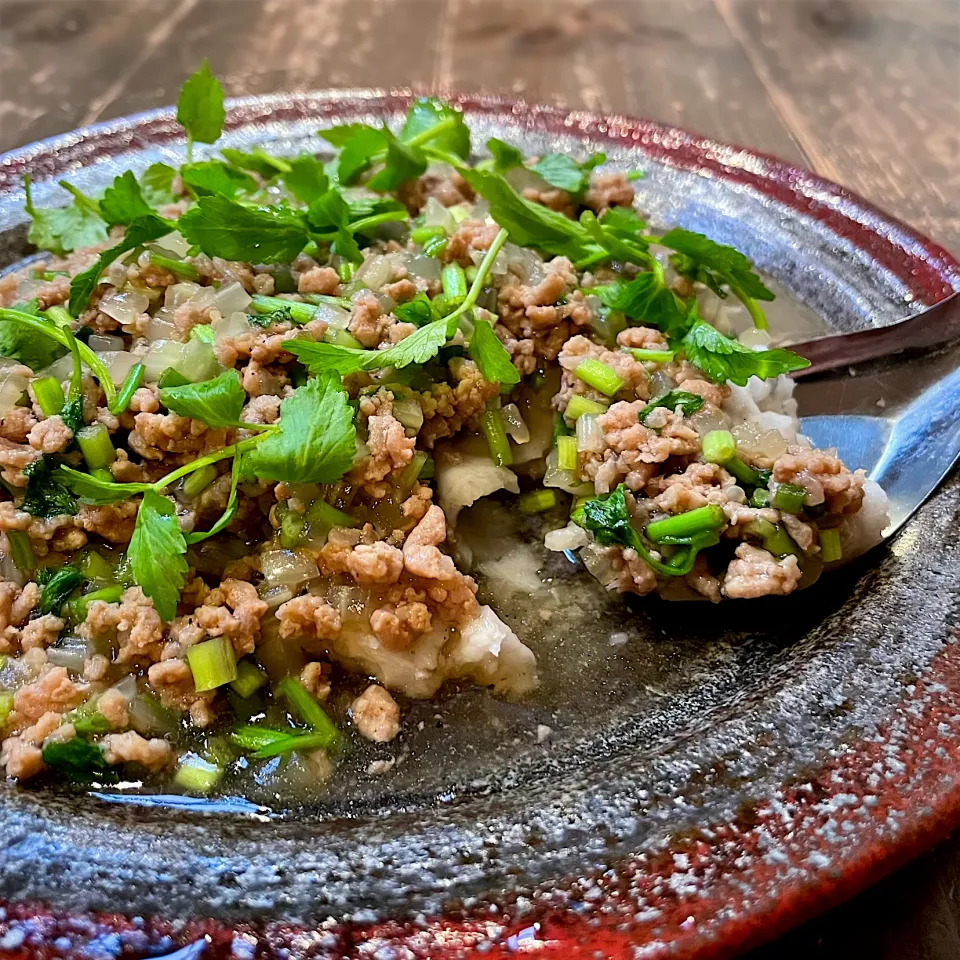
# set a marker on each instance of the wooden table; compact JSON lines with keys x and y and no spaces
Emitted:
{"x":865,"y":92}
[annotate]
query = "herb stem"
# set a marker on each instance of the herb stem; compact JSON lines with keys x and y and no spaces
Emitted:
{"x":482,"y":271}
{"x":753,"y":308}
{"x":129,"y":387}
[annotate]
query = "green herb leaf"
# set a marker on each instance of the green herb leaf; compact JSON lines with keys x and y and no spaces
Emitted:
{"x":505,"y":157}
{"x":56,"y":590}
{"x":647,"y":300}
{"x":316,"y":442}
{"x":729,"y":265}
{"x":21,"y":343}
{"x":79,"y":761}
{"x":564,"y":173}
{"x":323,"y":358}
{"x":402,"y":163}
{"x":425,"y":114}
{"x":200,"y":106}
{"x":217,"y":402}
{"x":156,"y":184}
{"x":123,"y":201}
{"x":142,"y":230}
{"x":420,"y":311}
{"x":689,"y":403}
{"x":64,"y":229}
{"x":306,"y":179}
{"x":491,"y":355}
{"x":156,"y":553}
{"x":213,"y":177}
{"x":256,"y":161}
{"x":329,"y":213}
{"x":46,"y":496}
{"x":530,"y":224}
{"x":723,"y":359}
{"x":90,"y":489}
{"x":625,"y":223}
{"x":223,"y":228}
{"x":358,"y":144}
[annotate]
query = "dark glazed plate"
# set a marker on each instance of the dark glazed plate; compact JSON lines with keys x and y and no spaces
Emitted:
{"x":711,"y":778}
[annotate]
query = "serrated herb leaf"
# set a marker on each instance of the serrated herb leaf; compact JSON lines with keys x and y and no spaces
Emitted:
{"x":45,"y":495}
{"x":123,"y":202}
{"x":20,"y":343}
{"x":200,"y":106}
{"x":427,"y":114}
{"x":141,"y":231}
{"x":505,"y":156}
{"x":491,"y":356}
{"x":306,"y":178}
{"x":90,"y":489}
{"x":212,"y":177}
{"x":316,"y":442}
{"x":329,"y":214}
{"x":564,"y":173}
{"x":359,"y":144}
{"x":645,"y":299}
{"x":256,"y":161}
{"x":217,"y":402}
{"x":401,"y":163}
{"x":156,"y":553}
{"x":64,"y":229}
{"x":156,"y":184}
{"x":223,"y":228}
{"x":420,"y":311}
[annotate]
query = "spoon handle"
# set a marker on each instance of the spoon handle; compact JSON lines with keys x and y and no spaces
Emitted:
{"x":937,"y":324}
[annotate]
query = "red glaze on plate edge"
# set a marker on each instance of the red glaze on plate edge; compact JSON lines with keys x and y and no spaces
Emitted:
{"x":712,"y":894}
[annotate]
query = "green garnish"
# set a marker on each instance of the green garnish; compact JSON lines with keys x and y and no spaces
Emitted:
{"x":56,"y":590}
{"x":79,"y":761}
{"x":689,"y":403}
{"x":217,"y":402}
{"x":491,"y":356}
{"x":123,"y":202}
{"x":212,"y":663}
{"x":200,"y":108}
{"x":64,"y":229}
{"x":156,"y":553}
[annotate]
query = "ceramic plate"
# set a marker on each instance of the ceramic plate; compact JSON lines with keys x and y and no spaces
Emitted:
{"x":713,"y":774}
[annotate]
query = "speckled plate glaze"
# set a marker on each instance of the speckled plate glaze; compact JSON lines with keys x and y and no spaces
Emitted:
{"x":717,"y":778}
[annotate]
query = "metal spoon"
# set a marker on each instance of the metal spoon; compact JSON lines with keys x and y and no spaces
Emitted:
{"x":895,"y":414}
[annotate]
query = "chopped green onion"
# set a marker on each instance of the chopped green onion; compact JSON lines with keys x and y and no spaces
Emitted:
{"x":411,"y":471}
{"x":298,"y":312}
{"x":435,"y":246}
{"x":577,"y":406}
{"x":341,"y":338}
{"x":471,"y":272}
{"x":49,"y":395}
{"x":21,"y":551}
{"x":87,"y":719}
{"x":212,"y":663}
{"x":420,"y":235}
{"x":6,"y":706}
{"x":567,"y":454}
{"x":102,"y":473}
{"x":96,"y":446}
{"x":59,"y":315}
{"x":196,"y":775}
{"x":181,"y":269}
{"x":302,"y":741}
{"x":775,"y":539}
{"x":172,"y":378}
{"x":80,"y":605}
{"x":537,"y":501}
{"x":203,"y":332}
{"x":830,"y":547}
{"x":599,"y":376}
{"x":345,"y":271}
{"x":309,"y":709}
{"x":719,"y":446}
{"x":198,"y":481}
{"x":291,"y":529}
{"x":128,"y":388}
{"x":493,"y":429}
{"x":94,"y":567}
{"x":789,"y":497}
{"x":760,"y":498}
{"x":320,"y":512}
{"x":428,"y":470}
{"x":651,"y":356}
{"x":248,"y":737}
{"x":250,"y":678}
{"x":454,"y":281}
{"x":742,"y":471}
{"x":686,"y":524}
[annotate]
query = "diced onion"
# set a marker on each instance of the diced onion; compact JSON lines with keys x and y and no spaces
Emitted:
{"x":199,"y":361}
{"x":424,"y":268}
{"x":12,"y":386}
{"x":70,"y":653}
{"x":758,"y":443}
{"x":232,"y":325}
{"x":409,"y":412}
{"x":564,"y":480}
{"x":333,"y":316}
{"x":161,"y":326}
{"x":27,"y":287}
{"x":162,"y":354}
{"x":104,"y":343}
{"x":127,"y":687}
{"x":119,"y":363}
{"x":180,"y":293}
{"x":589,"y":434}
{"x":374,"y":272}
{"x":707,"y":419}
{"x":276,"y":594}
{"x":231,"y":297}
{"x":435,"y":214}
{"x":124,"y":307}
{"x":287,"y":567}
{"x":570,"y":537}
{"x":175,"y":243}
{"x":525,"y":263}
{"x":514,"y":424}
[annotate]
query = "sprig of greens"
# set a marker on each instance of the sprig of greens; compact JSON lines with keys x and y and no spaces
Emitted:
{"x":217,"y":402}
{"x":62,"y":230}
{"x":123,"y":202}
{"x":689,"y":403}
{"x":156,"y":553}
{"x":491,"y":356}
{"x":200,"y":108}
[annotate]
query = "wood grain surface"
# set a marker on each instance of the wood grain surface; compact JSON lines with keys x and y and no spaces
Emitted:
{"x":865,"y":92}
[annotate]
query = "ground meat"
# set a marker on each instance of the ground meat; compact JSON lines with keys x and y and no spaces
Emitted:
{"x":701,"y":580}
{"x":711,"y":392}
{"x":446,"y":408}
{"x":368,"y":323}
{"x":757,"y":573}
{"x":315,"y":677}
{"x":636,"y":384}
{"x":52,"y":690}
{"x":448,"y":189}
{"x":366,"y":563}
{"x":802,"y":533}
{"x":552,"y":198}
{"x":112,"y":705}
{"x":261,"y":381}
{"x":191,"y":314}
{"x":130,"y":747}
{"x":390,"y":451}
{"x":824,"y":477}
{"x":15,"y":605}
{"x":155,"y":434}
{"x":698,"y":485}
{"x":53,"y":293}
{"x":398,"y":627}
{"x":308,"y":618}
{"x":264,"y":409}
{"x":21,"y":755}
{"x":376,"y":714}
{"x":114,"y":522}
{"x":470,"y":236}
{"x":234,"y":610}
{"x":14,"y":457}
{"x":319,"y":280}
{"x":608,"y":190}
{"x":642,"y":338}
{"x":137,"y":624}
{"x":631,"y":450}
{"x":401,"y":291}
{"x":17,"y":423}
{"x":42,"y":632}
